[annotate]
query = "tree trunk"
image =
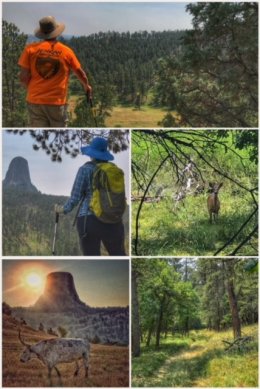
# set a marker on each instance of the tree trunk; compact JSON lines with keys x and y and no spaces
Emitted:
{"x":136,"y":349}
{"x":234,"y":309}
{"x":229,"y":267}
{"x":149,"y":336}
{"x":159,"y":326}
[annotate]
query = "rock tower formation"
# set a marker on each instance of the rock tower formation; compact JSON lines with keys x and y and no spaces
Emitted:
{"x":18,"y":176}
{"x":59,"y":295}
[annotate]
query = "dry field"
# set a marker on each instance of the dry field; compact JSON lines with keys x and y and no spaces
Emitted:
{"x":109,"y":365}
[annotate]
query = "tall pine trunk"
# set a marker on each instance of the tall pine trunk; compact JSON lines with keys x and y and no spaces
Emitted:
{"x":232,"y":298}
{"x":234,"y":309}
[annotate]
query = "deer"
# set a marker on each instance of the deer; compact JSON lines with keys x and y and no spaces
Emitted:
{"x":213,"y":201}
{"x":54,"y":351}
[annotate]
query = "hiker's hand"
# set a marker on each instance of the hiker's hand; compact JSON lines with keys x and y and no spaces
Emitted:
{"x":58,"y":208}
{"x":88,"y":90}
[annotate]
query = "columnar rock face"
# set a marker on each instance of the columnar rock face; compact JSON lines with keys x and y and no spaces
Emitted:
{"x":18,"y":176}
{"x":59,"y":295}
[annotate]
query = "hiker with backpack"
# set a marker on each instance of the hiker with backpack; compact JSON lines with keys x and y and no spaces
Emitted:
{"x":100,"y":192}
{"x":45,"y":70}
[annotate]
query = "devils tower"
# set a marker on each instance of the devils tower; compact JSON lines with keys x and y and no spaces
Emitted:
{"x":59,"y":295}
{"x":18,"y":176}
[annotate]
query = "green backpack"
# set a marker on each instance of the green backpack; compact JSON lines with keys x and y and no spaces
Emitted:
{"x":108,"y":201}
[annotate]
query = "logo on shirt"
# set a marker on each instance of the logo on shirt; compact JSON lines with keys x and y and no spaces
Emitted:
{"x":47,"y":67}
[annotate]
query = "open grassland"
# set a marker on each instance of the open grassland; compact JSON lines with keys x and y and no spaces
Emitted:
{"x":127,"y":116}
{"x":109,"y":365}
{"x":183,"y":228}
{"x":199,"y":360}
{"x":146,"y":117}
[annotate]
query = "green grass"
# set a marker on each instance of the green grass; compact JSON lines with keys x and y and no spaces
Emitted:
{"x":147,"y":116}
{"x":167,"y":229}
{"x":199,"y":360}
{"x":127,"y":116}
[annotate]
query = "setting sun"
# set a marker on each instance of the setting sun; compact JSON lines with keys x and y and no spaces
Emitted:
{"x":34,"y":280}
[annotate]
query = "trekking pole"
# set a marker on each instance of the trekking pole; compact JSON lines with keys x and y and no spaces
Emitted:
{"x":77,"y":213}
{"x":92,"y":108}
{"x":55,"y":232}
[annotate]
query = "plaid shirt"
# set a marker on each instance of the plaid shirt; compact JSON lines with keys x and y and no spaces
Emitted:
{"x":82,"y":187}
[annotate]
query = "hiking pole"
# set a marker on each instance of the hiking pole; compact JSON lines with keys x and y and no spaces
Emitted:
{"x":92,"y":108}
{"x":55,"y":232}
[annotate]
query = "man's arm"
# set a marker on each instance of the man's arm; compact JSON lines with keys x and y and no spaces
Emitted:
{"x":84,"y":80}
{"x":25,"y":76}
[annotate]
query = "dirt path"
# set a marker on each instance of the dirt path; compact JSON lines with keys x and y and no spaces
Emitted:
{"x":194,"y":352}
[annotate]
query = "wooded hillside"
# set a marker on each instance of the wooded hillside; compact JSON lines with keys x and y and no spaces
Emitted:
{"x":28,"y":225}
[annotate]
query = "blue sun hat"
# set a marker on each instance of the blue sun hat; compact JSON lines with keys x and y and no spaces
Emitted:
{"x":98,"y":149}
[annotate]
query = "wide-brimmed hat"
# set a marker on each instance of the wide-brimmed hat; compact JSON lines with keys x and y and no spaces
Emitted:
{"x":49,"y":28}
{"x":98,"y":149}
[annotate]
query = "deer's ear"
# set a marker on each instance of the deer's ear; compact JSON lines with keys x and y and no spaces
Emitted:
{"x":211,"y":184}
{"x":220,"y":185}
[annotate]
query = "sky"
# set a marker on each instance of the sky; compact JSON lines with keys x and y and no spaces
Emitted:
{"x":92,"y":17}
{"x":51,"y":177}
{"x":99,"y":283}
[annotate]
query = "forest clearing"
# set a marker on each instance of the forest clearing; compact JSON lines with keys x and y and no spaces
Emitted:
{"x":126,"y":115}
{"x":194,"y":322}
{"x":173,"y":176}
{"x":108,"y":364}
{"x":198,"y":360}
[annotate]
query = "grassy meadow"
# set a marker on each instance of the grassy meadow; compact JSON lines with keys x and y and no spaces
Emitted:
{"x":109,"y":366}
{"x":127,"y":116}
{"x":198,"y":360}
{"x":146,"y":117}
{"x":169,"y":228}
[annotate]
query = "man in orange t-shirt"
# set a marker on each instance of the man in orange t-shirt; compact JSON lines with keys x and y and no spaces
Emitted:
{"x":45,"y":69}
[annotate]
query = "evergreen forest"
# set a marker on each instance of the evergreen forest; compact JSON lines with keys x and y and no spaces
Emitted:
{"x":28,"y":226}
{"x":194,"y":322}
{"x":178,"y":177}
{"x":204,"y":77}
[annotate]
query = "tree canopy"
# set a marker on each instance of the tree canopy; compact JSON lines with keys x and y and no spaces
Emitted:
{"x":213,"y":79}
{"x":56,"y":142}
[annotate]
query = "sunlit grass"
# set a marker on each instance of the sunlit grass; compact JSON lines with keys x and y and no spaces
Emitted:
{"x":199,"y":360}
{"x":130,"y":117}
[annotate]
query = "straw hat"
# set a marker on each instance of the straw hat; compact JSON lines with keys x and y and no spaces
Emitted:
{"x":49,"y":28}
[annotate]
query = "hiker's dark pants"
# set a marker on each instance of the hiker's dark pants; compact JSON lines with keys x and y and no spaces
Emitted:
{"x":92,"y":232}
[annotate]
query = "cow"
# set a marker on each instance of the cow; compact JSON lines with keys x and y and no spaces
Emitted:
{"x":51,"y":352}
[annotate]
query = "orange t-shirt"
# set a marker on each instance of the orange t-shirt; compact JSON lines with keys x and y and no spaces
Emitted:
{"x":49,"y":63}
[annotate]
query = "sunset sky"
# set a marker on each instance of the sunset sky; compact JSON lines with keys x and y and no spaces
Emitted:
{"x":99,"y":283}
{"x":51,"y":177}
{"x":85,"y":18}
